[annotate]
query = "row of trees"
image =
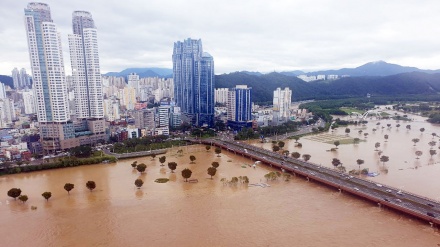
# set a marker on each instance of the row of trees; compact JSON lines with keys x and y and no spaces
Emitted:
{"x":16,"y":192}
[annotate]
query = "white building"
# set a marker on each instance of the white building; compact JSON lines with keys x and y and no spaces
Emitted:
{"x":221,"y":95}
{"x":2,"y":91}
{"x":57,"y":131}
{"x":164,"y":115}
{"x":133,"y":81}
{"x":29,"y":102}
{"x":7,"y":112}
{"x":282,"y":99}
{"x":86,"y":73}
{"x":47,"y":64}
{"x":111,"y":109}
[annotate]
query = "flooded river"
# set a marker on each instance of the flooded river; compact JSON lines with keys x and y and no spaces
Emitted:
{"x":207,"y":213}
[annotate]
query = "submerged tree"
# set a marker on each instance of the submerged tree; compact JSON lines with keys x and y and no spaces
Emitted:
{"x":336,"y":143}
{"x":415,"y":140}
{"x":47,"y":195}
{"x":281,"y":144}
{"x":134,"y":164}
{"x":384,"y":159}
{"x":141,"y":168}
{"x":377,"y":145}
{"x":432,"y":152}
{"x":359,"y":162}
{"x":91,"y":185}
{"x":218,"y":151}
{"x":68,"y":187}
{"x":172,"y":166}
{"x":296,"y":155}
{"x":419,"y":153}
{"x":356,"y":140}
{"x":186,"y":173}
{"x":23,"y":198}
{"x":306,"y":157}
{"x":162,"y":160}
{"x":138,"y":182}
{"x":432,"y":144}
{"x":208,"y":148}
{"x":215,"y":164}
{"x":14,"y":193}
{"x":386,"y":138}
{"x":336,"y":162}
{"x":212,"y":171}
{"x":192,"y":158}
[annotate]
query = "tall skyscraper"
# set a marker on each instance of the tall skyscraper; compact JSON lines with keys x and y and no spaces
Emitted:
{"x":282,"y":99}
{"x":28,"y":100}
{"x":86,"y":74}
{"x":24,"y":79}
{"x":193,"y":74}
{"x":49,"y":85}
{"x":16,"y":78}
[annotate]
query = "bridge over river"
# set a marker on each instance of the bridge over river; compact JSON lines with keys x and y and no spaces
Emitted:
{"x":402,"y":201}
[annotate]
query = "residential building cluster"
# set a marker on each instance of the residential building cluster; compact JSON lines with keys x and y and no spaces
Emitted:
{"x":51,"y":111}
{"x":309,"y":78}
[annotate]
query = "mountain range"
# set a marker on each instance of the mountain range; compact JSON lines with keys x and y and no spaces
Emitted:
{"x":413,"y":83}
{"x":376,"y":78}
{"x":378,"y":68}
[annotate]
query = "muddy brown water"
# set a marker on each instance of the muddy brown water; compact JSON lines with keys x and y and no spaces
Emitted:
{"x":208,"y":213}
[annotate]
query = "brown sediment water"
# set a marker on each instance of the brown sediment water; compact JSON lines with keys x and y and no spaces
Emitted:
{"x":207,"y":213}
{"x":405,"y":170}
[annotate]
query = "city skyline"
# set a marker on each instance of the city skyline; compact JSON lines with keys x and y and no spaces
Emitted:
{"x":286,"y":36}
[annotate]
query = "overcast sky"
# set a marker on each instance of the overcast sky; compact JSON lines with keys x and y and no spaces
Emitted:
{"x":253,"y":35}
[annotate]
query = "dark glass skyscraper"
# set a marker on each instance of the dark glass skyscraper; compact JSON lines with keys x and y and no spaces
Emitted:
{"x":193,"y":74}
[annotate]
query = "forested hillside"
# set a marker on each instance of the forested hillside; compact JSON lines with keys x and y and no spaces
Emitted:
{"x":414,"y":83}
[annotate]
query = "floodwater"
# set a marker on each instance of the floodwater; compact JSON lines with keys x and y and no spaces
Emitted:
{"x":405,"y":171}
{"x":207,"y":213}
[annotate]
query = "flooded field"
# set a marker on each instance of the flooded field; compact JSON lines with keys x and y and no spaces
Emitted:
{"x":404,"y":170}
{"x":207,"y":213}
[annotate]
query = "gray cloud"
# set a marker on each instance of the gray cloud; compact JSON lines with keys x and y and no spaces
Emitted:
{"x":249,"y":35}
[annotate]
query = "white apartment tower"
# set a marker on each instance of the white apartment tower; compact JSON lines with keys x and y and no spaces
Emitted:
{"x":221,"y":95}
{"x":47,"y":64}
{"x":86,"y":73}
{"x":28,"y":100}
{"x":282,"y":99}
{"x":49,"y":86}
{"x":133,"y":81}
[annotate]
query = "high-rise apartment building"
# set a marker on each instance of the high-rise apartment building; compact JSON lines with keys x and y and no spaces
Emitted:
{"x":16,"y":78}
{"x":2,"y":91}
{"x":193,"y":74}
{"x":86,"y":73}
{"x":28,"y":101}
{"x":50,"y":92}
{"x":20,"y":78}
{"x":133,"y":81}
{"x":282,"y":99}
{"x":221,"y":95}
{"x":239,"y":104}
